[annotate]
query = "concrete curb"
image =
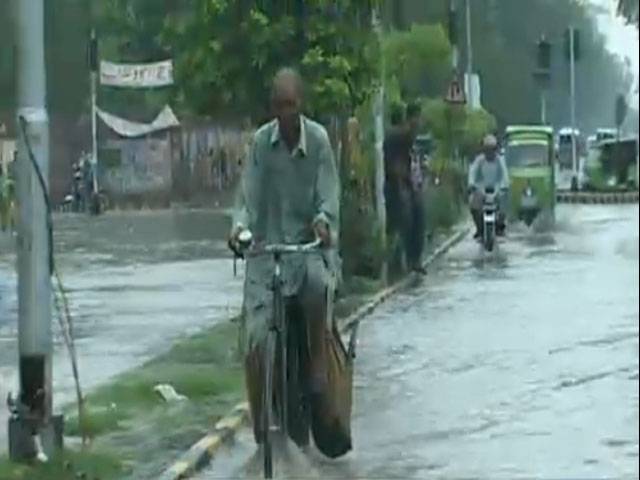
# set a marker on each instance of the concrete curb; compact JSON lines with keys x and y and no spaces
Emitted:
{"x":602,"y":198}
{"x":200,"y":454}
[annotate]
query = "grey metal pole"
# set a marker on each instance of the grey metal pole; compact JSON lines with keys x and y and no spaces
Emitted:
{"x":543,"y":107}
{"x":572,"y":69}
{"x":94,"y":121}
{"x":469,"y":43}
{"x":378,"y":113}
{"x":638,"y":160}
{"x":30,"y":425}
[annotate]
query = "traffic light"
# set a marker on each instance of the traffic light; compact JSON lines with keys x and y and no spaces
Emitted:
{"x":92,"y":53}
{"x":576,"y":44}
{"x":544,"y":54}
{"x":452,"y":25}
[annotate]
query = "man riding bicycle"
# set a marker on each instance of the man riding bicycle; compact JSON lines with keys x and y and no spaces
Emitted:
{"x":488,"y":170}
{"x":289,"y":194}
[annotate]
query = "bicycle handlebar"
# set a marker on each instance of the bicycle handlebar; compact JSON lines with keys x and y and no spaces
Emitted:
{"x":284,"y":248}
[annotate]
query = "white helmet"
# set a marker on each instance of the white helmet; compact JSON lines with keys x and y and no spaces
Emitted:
{"x":490,"y":141}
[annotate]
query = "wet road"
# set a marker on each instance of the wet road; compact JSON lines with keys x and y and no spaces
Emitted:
{"x":137,"y":281}
{"x":520,"y":365}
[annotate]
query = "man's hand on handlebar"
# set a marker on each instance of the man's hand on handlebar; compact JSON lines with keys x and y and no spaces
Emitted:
{"x":321,"y":230}
{"x":239,"y":240}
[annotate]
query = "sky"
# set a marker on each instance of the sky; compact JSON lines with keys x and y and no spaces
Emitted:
{"x":621,"y":39}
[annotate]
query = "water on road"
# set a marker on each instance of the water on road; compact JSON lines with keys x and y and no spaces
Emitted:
{"x":519,"y":365}
{"x":136,"y":282}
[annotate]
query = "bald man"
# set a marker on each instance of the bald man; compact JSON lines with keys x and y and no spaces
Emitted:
{"x":289,"y":194}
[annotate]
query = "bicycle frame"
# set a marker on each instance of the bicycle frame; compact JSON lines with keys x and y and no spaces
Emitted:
{"x":277,"y":331}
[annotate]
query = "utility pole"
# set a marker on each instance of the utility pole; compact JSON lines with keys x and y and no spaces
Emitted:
{"x":453,"y":33}
{"x":542,"y":75}
{"x":638,"y":160}
{"x":94,"y":66}
{"x":572,"y":74}
{"x":378,"y":113}
{"x":469,"y":43}
{"x":543,"y":107}
{"x":33,"y":431}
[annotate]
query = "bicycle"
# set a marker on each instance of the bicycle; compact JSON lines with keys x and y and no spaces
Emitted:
{"x":284,"y":354}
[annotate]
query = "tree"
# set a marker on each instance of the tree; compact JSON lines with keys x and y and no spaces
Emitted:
{"x":414,"y":57}
{"x":226,"y":52}
{"x":455,"y":125}
{"x":629,"y":10}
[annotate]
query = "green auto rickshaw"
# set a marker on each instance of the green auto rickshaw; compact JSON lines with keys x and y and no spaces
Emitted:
{"x":529,"y":155}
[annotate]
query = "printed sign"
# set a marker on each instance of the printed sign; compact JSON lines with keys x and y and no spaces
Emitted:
{"x":133,"y":75}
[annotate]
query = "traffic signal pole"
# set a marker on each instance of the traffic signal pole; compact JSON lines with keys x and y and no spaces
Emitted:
{"x":93,"y":60}
{"x":572,"y":75}
{"x":34,"y":433}
{"x":542,"y":75}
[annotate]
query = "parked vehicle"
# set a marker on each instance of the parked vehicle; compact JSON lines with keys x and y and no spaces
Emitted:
{"x":564,"y":147}
{"x":611,"y":165}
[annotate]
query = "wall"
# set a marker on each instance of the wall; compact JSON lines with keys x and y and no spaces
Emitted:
{"x":207,"y":158}
{"x":136,"y":167}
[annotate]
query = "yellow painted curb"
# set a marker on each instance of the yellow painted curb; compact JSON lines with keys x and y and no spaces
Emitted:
{"x":203,"y":451}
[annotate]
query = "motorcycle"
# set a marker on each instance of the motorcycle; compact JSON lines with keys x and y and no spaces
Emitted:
{"x":489,"y":218}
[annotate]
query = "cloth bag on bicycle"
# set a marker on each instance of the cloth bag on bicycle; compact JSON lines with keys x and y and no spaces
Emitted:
{"x":331,"y":411}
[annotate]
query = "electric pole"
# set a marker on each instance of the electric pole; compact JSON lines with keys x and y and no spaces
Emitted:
{"x":33,"y":431}
{"x":378,"y":113}
{"x":469,"y":43}
{"x":94,"y":66}
{"x":543,"y":75}
{"x":452,"y":21}
{"x":572,"y":79}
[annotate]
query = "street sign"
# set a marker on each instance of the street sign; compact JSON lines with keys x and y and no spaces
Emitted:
{"x":455,"y":93}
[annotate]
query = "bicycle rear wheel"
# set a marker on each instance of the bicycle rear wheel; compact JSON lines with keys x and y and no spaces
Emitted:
{"x":299,"y":414}
{"x":267,"y":405}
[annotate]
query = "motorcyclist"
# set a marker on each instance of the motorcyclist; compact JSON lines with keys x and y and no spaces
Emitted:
{"x":289,"y":193}
{"x":488,"y":170}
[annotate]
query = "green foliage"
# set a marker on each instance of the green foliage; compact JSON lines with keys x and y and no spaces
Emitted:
{"x":453,"y":125}
{"x":67,"y":466}
{"x":361,"y":241}
{"x":409,"y":54}
{"x":443,"y":204}
{"x":226,"y":52}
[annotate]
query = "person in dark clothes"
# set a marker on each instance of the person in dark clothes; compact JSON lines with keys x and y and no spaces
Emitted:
{"x":394,"y":185}
{"x":403,"y":191}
